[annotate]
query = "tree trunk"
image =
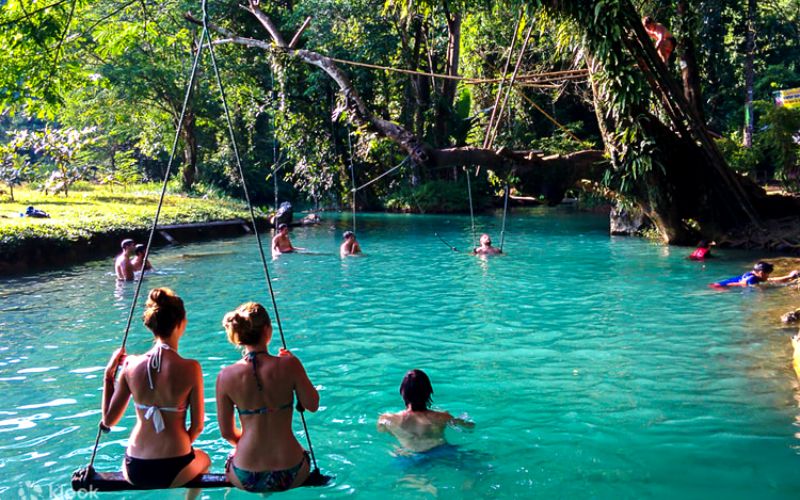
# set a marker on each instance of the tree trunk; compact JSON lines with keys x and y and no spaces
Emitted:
{"x":189,"y":167}
{"x":445,"y":102}
{"x":690,"y":74}
{"x":749,"y":74}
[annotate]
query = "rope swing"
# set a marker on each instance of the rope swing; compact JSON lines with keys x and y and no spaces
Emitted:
{"x":352,"y":177}
{"x":87,"y":479}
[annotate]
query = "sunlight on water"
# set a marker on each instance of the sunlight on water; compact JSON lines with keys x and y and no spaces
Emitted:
{"x":593,"y":366}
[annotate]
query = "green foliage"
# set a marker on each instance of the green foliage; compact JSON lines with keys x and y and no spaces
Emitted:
{"x":779,"y":140}
{"x":440,"y":196}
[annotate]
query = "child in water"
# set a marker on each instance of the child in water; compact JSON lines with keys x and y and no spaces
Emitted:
{"x":703,"y":251}
{"x":759,"y":274}
{"x":418,"y":428}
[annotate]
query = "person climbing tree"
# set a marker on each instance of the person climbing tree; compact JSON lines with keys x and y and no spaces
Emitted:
{"x":665,"y":42}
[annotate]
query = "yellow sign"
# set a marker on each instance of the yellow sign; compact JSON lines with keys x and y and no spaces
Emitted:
{"x":788,"y":98}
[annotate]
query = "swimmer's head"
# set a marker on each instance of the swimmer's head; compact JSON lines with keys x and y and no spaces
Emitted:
{"x":282,"y":226}
{"x":486,"y":239}
{"x":703,"y":244}
{"x":126,"y":244}
{"x":348,"y":234}
{"x":163,"y":313}
{"x":763,"y":268}
{"x":416,"y":390}
{"x":647,"y":21}
{"x":140,"y":249}
{"x":245,"y":325}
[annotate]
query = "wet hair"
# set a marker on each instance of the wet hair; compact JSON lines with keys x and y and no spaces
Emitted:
{"x":702,"y":244}
{"x":282,"y":226}
{"x":245,"y":325}
{"x":647,"y":20}
{"x":348,"y":234}
{"x":140,"y":249}
{"x":163,"y":312}
{"x":126,"y":243}
{"x":763,"y":267}
{"x":416,"y":390}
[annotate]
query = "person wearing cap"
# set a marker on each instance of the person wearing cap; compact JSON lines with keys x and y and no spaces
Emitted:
{"x":122,"y":265}
{"x":759,"y":275}
{"x":486,"y":247}
{"x":350,"y":245}
{"x":138,"y":262}
{"x":281,"y":242}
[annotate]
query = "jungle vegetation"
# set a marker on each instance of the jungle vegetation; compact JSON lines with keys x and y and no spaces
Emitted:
{"x":93,"y":90}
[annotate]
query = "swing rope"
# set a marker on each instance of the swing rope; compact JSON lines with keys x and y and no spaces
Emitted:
{"x":505,"y":212}
{"x":359,"y":188}
{"x":252,"y":211}
{"x":102,"y":428}
{"x":471,"y":210}
{"x":352,"y":177}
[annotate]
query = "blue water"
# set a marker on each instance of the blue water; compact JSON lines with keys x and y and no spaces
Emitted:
{"x":593,"y":366}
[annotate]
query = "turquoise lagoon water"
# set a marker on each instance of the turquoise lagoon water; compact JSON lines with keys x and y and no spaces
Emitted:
{"x":592,"y":366}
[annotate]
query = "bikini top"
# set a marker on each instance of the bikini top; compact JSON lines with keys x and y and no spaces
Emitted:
{"x":154,"y":411}
{"x":251,"y":357}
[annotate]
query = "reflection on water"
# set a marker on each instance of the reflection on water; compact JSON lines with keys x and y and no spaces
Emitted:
{"x":592,"y":366}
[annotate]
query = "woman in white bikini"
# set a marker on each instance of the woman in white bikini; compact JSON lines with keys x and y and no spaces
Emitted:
{"x":164,"y":387}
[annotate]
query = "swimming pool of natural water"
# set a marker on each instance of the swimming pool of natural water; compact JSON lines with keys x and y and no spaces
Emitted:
{"x":593,"y":366}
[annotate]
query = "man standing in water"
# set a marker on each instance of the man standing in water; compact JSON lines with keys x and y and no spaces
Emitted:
{"x":138,"y":262}
{"x":122,"y":265}
{"x":281,"y":242}
{"x":486,"y":247}
{"x":350,"y":245}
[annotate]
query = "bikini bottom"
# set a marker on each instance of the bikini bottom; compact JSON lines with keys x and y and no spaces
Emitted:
{"x":156,"y":472}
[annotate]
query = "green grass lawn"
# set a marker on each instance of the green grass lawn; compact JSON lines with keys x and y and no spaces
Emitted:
{"x":90,"y":209}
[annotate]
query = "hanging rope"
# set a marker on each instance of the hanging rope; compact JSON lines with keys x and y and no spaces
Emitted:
{"x":471,"y":211}
{"x":359,"y":188}
{"x":505,"y":212}
{"x":493,"y":135}
{"x":250,"y":208}
{"x":503,"y":79}
{"x":352,"y":177}
{"x":136,"y":293}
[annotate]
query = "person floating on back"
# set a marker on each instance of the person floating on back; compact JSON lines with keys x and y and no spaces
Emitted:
{"x":281,"y":242}
{"x":122,"y":265}
{"x":350,"y":246}
{"x":665,"y":42}
{"x":418,"y":428}
{"x":703,"y":251}
{"x":261,"y":389}
{"x":759,"y":275}
{"x":486,"y":247}
{"x":165,"y":387}
{"x":138,"y":262}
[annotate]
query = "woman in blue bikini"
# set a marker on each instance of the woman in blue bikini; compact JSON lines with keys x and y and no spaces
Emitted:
{"x":261,"y":387}
{"x":164,"y":387}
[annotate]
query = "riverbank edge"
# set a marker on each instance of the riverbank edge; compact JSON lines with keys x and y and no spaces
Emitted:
{"x":39,"y":254}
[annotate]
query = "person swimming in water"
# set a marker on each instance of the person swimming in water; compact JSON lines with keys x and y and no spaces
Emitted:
{"x":350,"y":246}
{"x":418,"y":428}
{"x":759,"y":275}
{"x":703,"y":251}
{"x":138,"y":262}
{"x":281,"y":242}
{"x":122,"y":264}
{"x":486,"y":247}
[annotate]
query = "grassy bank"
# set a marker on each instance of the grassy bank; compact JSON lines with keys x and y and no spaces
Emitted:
{"x":90,"y":211}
